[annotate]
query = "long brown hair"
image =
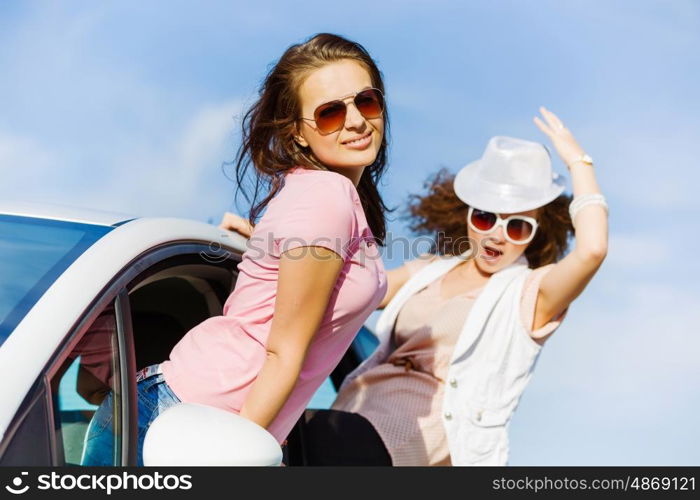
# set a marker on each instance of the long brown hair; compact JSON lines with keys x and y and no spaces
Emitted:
{"x":269,"y":126}
{"x":440,"y":214}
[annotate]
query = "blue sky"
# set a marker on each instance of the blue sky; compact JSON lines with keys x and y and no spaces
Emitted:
{"x":133,"y":106}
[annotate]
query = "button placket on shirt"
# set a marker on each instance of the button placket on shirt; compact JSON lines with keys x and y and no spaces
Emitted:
{"x":453,"y":383}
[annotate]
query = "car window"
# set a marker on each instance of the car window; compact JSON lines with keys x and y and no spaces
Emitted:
{"x":30,"y":444}
{"x":324,"y":396}
{"x":89,"y":374}
{"x":365,"y":343}
{"x":33,"y":253}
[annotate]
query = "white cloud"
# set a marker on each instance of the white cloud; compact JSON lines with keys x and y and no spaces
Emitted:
{"x":206,"y":135}
{"x":642,"y":162}
{"x":637,"y":251}
{"x":622,"y":368}
{"x":17,"y":153}
{"x":184,"y":178}
{"x":30,"y":171}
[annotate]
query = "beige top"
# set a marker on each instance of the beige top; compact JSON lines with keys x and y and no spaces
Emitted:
{"x":402,"y":397}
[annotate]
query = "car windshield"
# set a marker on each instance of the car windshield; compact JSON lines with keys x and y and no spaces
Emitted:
{"x":33,"y":254}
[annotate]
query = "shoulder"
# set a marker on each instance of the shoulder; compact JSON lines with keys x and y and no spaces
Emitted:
{"x":529,"y":283}
{"x":319,"y":192}
{"x":313,"y":190}
{"x":534,"y":277}
{"x":313,"y":209}
{"x":528,"y":305}
{"x":316,"y":188}
{"x":415,"y":265}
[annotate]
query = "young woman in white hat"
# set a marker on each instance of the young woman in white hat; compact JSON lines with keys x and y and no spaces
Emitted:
{"x":462,"y":329}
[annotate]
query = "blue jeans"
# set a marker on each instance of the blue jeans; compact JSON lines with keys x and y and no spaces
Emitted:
{"x":154,"y":397}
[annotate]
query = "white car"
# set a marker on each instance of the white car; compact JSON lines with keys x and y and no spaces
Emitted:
{"x":86,"y":299}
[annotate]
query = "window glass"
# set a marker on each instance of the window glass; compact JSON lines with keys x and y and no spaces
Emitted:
{"x":324,"y":396}
{"x":88,"y":378}
{"x":30,"y":445}
{"x":33,"y":253}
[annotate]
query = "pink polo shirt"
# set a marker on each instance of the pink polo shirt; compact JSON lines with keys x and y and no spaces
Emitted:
{"x":217,"y":361}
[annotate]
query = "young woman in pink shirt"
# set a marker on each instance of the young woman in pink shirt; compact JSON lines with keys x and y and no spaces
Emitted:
{"x":317,"y":140}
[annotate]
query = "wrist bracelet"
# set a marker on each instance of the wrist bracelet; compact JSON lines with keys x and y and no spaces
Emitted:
{"x":586,"y":197}
{"x":583,"y":158}
{"x":581,"y":202}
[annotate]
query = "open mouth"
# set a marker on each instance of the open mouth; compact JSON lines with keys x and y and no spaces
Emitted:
{"x":491,"y":253}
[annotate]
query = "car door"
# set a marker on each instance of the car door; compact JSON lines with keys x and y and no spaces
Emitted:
{"x":51,"y":425}
{"x":147,"y":308}
{"x":99,"y":364}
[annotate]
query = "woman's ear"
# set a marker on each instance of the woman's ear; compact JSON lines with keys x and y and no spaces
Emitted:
{"x":299,"y":138}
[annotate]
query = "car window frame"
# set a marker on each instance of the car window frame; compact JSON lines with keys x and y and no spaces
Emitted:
{"x":145,"y":264}
{"x":70,"y":343}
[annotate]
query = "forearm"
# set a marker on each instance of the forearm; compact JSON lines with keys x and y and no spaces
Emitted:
{"x":89,"y":387}
{"x":306,"y":282}
{"x":591,"y":225}
{"x":583,"y":179}
{"x":271,"y":389}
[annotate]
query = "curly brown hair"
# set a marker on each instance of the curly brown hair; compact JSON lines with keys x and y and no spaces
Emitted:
{"x":269,"y":125}
{"x":440,"y":214}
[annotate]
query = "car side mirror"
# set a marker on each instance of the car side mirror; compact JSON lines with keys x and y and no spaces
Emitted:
{"x":194,"y":434}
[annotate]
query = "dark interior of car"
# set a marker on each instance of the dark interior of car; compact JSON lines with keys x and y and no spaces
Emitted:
{"x":162,"y":312}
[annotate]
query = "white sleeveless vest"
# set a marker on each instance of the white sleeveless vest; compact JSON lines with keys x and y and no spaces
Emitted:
{"x":491,"y":364}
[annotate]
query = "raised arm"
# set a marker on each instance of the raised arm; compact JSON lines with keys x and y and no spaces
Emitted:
{"x":568,"y":278}
{"x":307,"y":277}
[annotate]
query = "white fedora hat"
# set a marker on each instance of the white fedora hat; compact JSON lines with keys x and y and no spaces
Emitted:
{"x":513,"y":175}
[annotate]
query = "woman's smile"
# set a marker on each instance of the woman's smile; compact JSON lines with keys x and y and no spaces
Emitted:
{"x":361,"y":142}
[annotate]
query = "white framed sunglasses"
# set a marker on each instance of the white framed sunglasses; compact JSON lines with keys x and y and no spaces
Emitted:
{"x":517,"y":229}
